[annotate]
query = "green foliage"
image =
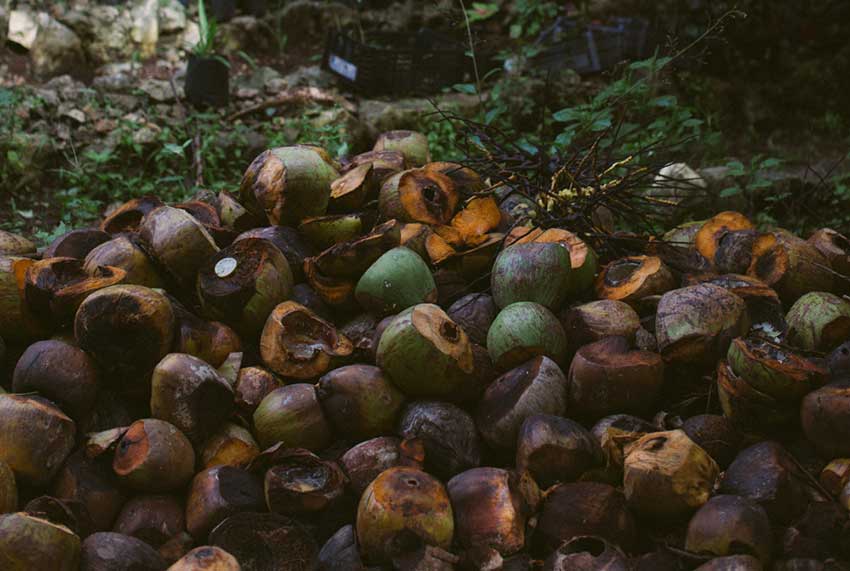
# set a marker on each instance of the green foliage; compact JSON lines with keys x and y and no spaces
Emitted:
{"x":207,"y":26}
{"x":634,"y":114}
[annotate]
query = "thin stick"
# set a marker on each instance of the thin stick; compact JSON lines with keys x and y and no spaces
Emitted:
{"x":472,"y":51}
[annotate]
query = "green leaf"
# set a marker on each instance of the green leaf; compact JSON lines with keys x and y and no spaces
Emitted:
{"x":173,"y":149}
{"x":492,"y":115}
{"x":736,"y":168}
{"x":664,"y":101}
{"x":770,"y":163}
{"x":481,"y":11}
{"x":730,"y":191}
{"x":516,"y":31}
{"x":565,"y":139}
{"x":600,"y":124}
{"x":28,"y":214}
{"x":568,"y":114}
{"x":528,"y":147}
{"x":468,"y":88}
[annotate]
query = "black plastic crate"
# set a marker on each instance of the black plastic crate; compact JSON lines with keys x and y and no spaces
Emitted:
{"x":398,"y":64}
{"x":595,"y":47}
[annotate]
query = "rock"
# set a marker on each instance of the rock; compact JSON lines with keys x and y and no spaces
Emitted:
{"x":23,"y":28}
{"x":246,"y":33}
{"x":147,"y":134}
{"x":56,"y":48}
{"x":245,"y":92}
{"x":123,"y":103}
{"x":190,"y":37}
{"x":117,"y":33}
{"x":145,"y":26}
{"x":158,"y":89}
{"x":48,"y":96}
{"x":258,"y":79}
{"x":172,"y":16}
{"x":310,"y":76}
{"x":113,"y":82}
{"x":67,"y":110}
{"x":383,"y":116}
{"x":307,"y":21}
{"x":109,"y":29}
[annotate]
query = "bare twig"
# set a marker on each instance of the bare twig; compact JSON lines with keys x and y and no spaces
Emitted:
{"x":297,"y":96}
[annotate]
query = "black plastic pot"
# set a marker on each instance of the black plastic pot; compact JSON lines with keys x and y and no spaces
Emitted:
{"x":223,"y":10}
{"x":207,"y":82}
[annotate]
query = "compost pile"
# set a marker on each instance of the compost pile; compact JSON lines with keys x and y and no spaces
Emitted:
{"x":384,"y":363}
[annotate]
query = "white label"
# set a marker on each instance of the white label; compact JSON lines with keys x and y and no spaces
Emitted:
{"x":345,"y":68}
{"x":225,"y":267}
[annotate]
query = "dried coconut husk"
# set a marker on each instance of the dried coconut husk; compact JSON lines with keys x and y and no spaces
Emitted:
{"x":56,"y":287}
{"x":297,"y":343}
{"x":723,"y":241}
{"x":417,"y":195}
{"x":763,"y":304}
{"x":127,"y":218}
{"x":835,"y":248}
{"x":14,"y":245}
{"x":411,"y":144}
{"x":480,"y":216}
{"x":633,"y":278}
{"x":790,"y":265}
{"x":125,"y":253}
{"x":17,"y":322}
{"x":353,"y":189}
{"x":288,"y":184}
{"x":76,"y":243}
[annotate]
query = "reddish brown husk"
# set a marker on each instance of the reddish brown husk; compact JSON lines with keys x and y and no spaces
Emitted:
{"x":75,"y":244}
{"x":824,"y":416}
{"x":835,"y":248}
{"x":209,"y":341}
{"x":206,"y":558}
{"x":418,"y":195}
{"x":216,"y":494}
{"x":252,"y":386}
{"x":606,"y":377}
{"x":302,"y":483}
{"x":713,"y":237}
{"x":362,"y":463}
{"x":35,"y":437}
{"x":580,"y":508}
{"x":191,"y":395}
{"x":763,"y":304}
{"x":555,"y":449}
{"x":790,"y":265}
{"x":244,"y":293}
{"x":491,"y":507}
{"x":696,"y":324}
{"x":153,"y":456}
{"x":153,"y":519}
{"x":128,"y":217}
{"x":266,"y":541}
{"x":92,"y":483}
{"x":127,"y":329}
{"x":56,"y":287}
{"x":60,"y":372}
{"x":297,"y":343}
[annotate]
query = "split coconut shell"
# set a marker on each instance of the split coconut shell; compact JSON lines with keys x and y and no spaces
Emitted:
{"x":288,"y":184}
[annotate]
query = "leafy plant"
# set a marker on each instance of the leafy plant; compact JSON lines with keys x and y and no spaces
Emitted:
{"x":207,"y":27}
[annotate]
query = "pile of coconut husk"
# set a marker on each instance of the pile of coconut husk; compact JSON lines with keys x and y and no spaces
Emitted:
{"x":384,"y":362}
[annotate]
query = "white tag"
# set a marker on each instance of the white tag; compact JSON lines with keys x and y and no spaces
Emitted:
{"x":345,"y":68}
{"x":225,"y":267}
